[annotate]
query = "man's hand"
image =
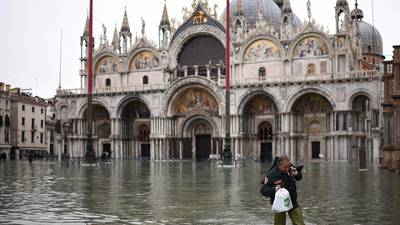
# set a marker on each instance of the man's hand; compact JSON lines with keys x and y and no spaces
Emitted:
{"x":277,"y":187}
{"x":294,"y":171}
{"x":266,"y":180}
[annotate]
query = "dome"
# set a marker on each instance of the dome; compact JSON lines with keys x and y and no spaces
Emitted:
{"x":272,"y":12}
{"x":371,"y":39}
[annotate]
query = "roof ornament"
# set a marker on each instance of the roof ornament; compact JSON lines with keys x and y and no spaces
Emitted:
{"x":260,"y":10}
{"x":105,"y":35}
{"x":143,"y":27}
{"x":309,"y":10}
{"x":215,"y":11}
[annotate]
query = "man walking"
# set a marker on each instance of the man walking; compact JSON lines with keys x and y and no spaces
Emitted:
{"x":284,"y":175}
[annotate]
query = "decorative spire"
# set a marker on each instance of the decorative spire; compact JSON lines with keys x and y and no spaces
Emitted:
{"x":286,"y":8}
{"x":86,"y":30}
{"x":165,"y":19}
{"x":116,"y":42}
{"x":125,"y":23}
{"x":239,"y":8}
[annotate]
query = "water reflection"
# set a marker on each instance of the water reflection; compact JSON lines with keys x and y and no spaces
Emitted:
{"x":187,"y":193}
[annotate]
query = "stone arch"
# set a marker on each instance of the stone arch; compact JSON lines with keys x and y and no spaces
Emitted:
{"x":361,"y":92}
{"x":145,"y":51}
{"x":62,"y":108}
{"x":327,"y":48}
{"x":188,"y":82}
{"x":95,"y":101}
{"x":125,"y":101}
{"x":267,"y":38}
{"x":298,"y":94}
{"x":179,"y":41}
{"x":185,"y":128}
{"x":103,"y":65}
{"x":249,"y":95}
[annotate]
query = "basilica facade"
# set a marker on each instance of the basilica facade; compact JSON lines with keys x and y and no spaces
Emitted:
{"x":296,"y":88}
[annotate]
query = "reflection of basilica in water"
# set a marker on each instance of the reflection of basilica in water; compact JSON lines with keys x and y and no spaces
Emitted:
{"x":296,"y":88}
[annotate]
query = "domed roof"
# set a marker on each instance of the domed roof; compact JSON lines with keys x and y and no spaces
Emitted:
{"x":271,"y":12}
{"x":371,"y":39}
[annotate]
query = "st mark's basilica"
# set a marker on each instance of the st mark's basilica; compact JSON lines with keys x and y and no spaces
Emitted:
{"x":296,"y":88}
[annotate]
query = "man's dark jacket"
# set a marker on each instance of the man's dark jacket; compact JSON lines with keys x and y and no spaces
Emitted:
{"x":285,"y":180}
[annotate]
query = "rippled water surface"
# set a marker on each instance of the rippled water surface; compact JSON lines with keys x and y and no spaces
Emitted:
{"x":132,"y":192}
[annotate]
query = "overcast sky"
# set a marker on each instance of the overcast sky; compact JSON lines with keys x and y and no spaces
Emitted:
{"x":30,"y":32}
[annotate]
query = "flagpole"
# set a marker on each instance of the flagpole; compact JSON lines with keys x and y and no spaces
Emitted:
{"x":90,"y":156}
{"x":227,"y":156}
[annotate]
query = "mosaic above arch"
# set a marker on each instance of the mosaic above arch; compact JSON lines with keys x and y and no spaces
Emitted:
{"x":107,"y":64}
{"x":312,"y":103}
{"x":144,"y":60}
{"x":261,"y":50}
{"x":259,"y":105}
{"x":310,"y":47}
{"x":195,"y":100}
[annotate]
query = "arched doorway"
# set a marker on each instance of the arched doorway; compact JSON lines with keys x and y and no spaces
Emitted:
{"x":310,"y":126}
{"x":144,"y":138}
{"x":265,"y":137}
{"x":257,"y":129}
{"x":101,"y":129}
{"x":199,"y":139}
{"x":135,"y":129}
{"x":195,"y":113}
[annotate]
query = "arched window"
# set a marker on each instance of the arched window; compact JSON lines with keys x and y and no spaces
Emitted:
{"x":265,"y":131}
{"x":108,"y":83}
{"x":144,"y":133}
{"x":145,"y":80}
{"x":262,"y":73}
{"x":311,"y":69}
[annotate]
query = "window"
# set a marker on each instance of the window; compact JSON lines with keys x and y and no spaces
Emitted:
{"x":7,"y":121}
{"x":23,"y":136}
{"x":6,"y":136}
{"x":33,"y":136}
{"x":41,"y":124}
{"x":262,"y":73}
{"x":23,"y":107}
{"x":54,"y":116}
{"x":33,"y":109}
{"x":145,"y":80}
{"x":108,"y":83}
{"x":6,"y":104}
{"x":1,"y":121}
{"x":41,"y":137}
{"x":23,"y":121}
{"x":33,"y":123}
{"x":311,"y":69}
{"x":41,"y":111}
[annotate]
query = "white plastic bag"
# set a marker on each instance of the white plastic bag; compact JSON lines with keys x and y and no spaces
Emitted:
{"x":282,"y":202}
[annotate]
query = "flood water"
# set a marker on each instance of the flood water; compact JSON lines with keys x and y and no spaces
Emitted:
{"x":131,"y":192}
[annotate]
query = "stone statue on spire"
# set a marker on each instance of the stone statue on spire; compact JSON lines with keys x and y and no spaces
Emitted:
{"x":105,"y":34}
{"x":143,"y":27}
{"x":309,"y":10}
